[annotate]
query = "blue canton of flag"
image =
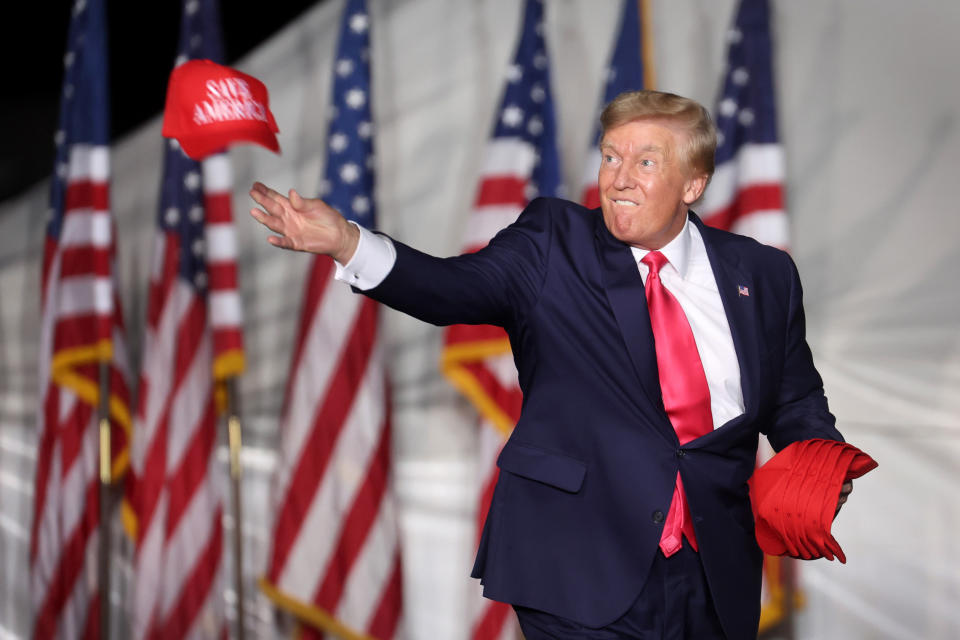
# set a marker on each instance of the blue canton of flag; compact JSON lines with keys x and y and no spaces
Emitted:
{"x":746,"y":192}
{"x":526,"y":111}
{"x":349,"y":176}
{"x":624,"y":73}
{"x":85,"y":108}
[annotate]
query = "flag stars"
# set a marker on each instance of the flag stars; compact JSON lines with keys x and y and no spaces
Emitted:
{"x":338,"y":142}
{"x":535,"y":126}
{"x":192,"y":180}
{"x":198,"y":247}
{"x":59,"y":137}
{"x":740,"y":76}
{"x":62,"y":169}
{"x":359,"y":22}
{"x":196,"y":214}
{"x":324,"y":188}
{"x":200,"y":280}
{"x":365,"y":129}
{"x":728,"y":107}
{"x":514,"y":73}
{"x":512,"y":116}
{"x":171,"y":216}
{"x":191,"y":7}
{"x":79,"y":6}
{"x":720,"y":138}
{"x":344,"y":67}
{"x":195,"y":41}
{"x":68,"y":59}
{"x":734,"y":36}
{"x":746,"y":117}
{"x":540,"y":60}
{"x":356,"y":98}
{"x":181,"y":58}
{"x":68,"y":91}
{"x":360,"y":205}
{"x":538,"y":93}
{"x":350,"y":172}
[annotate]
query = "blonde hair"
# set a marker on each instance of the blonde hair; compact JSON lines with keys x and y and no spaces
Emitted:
{"x":701,"y":141}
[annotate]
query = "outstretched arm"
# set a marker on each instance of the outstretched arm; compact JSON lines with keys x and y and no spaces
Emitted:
{"x":304,"y":224}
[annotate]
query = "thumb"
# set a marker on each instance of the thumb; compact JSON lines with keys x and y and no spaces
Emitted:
{"x":296,"y":200}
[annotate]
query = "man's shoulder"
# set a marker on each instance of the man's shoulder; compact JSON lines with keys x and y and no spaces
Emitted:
{"x":743,"y":247}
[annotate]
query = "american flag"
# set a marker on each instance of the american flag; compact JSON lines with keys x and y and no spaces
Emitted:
{"x":520,"y":163}
{"x":335,"y":561}
{"x":193,"y":342}
{"x":627,"y":71}
{"x":81,"y":328}
{"x":746,"y":192}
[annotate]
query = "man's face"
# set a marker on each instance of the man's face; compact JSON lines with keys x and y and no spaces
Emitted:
{"x":645,"y":186}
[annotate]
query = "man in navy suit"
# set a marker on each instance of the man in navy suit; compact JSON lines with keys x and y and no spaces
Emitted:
{"x":577,"y":534}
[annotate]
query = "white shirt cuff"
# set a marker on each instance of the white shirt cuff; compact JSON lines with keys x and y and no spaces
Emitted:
{"x":371,"y":262}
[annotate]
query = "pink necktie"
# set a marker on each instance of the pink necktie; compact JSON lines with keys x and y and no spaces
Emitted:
{"x":686,"y":396}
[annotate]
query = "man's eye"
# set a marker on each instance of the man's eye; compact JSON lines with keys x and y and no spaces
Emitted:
{"x":609,"y":159}
{"x":646,"y":162}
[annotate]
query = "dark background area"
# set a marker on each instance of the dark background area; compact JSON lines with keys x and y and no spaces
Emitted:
{"x":142,"y":44}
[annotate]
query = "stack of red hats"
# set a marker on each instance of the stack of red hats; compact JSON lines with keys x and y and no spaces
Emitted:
{"x":795,"y":496}
{"x":210,"y":106}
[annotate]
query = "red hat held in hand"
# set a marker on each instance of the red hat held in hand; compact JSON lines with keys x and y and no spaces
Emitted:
{"x":210,"y":106}
{"x":794,"y":497}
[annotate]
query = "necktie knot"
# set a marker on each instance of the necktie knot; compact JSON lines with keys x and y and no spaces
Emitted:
{"x":654,"y":260}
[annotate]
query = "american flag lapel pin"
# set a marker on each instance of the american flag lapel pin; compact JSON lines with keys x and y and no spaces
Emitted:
{"x":743,"y":291}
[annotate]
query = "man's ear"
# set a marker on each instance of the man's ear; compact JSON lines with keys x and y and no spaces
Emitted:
{"x":694,"y":188}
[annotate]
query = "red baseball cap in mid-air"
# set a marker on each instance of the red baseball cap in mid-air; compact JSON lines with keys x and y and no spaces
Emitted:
{"x":210,"y":106}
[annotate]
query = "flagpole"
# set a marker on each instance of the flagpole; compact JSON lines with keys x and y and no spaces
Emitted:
{"x":103,"y":562}
{"x":646,"y":37}
{"x":233,"y":437}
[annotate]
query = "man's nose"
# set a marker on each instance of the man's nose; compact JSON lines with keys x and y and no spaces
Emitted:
{"x":624,"y":177}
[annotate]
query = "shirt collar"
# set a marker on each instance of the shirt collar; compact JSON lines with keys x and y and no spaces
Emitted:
{"x":677,"y":251}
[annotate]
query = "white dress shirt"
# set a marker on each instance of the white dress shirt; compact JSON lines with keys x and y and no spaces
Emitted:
{"x":687,"y":275}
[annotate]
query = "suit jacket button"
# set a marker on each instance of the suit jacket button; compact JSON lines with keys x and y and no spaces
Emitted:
{"x":657,"y":517}
{"x":681,"y":453}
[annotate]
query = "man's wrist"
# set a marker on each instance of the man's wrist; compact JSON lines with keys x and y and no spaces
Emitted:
{"x":351,"y":239}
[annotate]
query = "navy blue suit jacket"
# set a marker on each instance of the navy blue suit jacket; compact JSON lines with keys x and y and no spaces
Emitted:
{"x":588,"y":473}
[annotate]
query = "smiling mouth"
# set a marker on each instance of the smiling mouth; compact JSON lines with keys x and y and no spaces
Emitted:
{"x":625,"y":203}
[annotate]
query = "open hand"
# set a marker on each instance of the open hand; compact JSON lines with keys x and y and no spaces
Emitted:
{"x":304,"y":224}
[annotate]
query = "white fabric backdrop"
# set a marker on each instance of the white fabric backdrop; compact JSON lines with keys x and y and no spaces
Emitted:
{"x":869,"y":113}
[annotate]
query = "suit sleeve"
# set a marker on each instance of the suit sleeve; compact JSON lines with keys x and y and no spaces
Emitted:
{"x":495,"y":285}
{"x":801,"y":410}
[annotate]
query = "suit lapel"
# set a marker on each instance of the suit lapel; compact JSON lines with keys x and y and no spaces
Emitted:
{"x":624,"y":289}
{"x":740,"y":305}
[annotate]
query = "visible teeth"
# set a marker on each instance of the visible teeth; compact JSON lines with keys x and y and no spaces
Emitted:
{"x":630,"y":202}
